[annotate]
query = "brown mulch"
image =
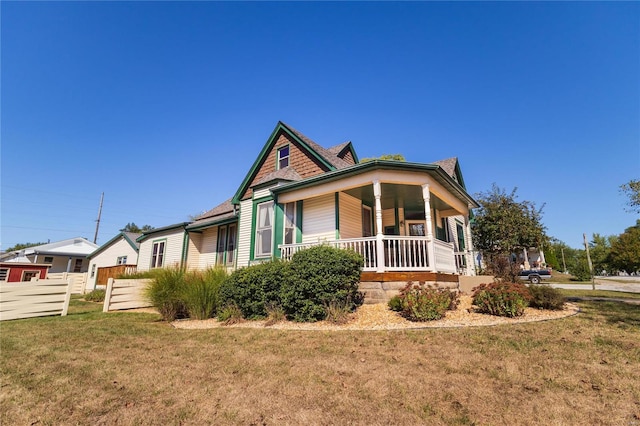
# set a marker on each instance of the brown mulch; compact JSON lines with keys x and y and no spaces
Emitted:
{"x":380,"y":317}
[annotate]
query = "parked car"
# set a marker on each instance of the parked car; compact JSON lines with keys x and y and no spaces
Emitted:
{"x":535,"y":276}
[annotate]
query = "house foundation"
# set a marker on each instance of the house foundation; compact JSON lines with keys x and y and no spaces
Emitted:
{"x":379,"y":287}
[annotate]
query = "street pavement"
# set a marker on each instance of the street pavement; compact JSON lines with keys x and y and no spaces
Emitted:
{"x":627,"y":284}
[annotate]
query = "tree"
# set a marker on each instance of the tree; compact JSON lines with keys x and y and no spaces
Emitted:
{"x":503,"y":226}
{"x":391,"y":157}
{"x":599,"y":249}
{"x":632,"y":190}
{"x":23,"y":246}
{"x":132,"y":227}
{"x":625,"y":251}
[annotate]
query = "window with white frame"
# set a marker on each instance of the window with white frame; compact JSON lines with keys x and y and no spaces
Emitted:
{"x":4,"y":274}
{"x":283,"y":157}
{"x":225,"y":252}
{"x":231,"y":244}
{"x":264,"y":229}
{"x":157,"y":254}
{"x":121,"y":260}
{"x":289,"y":223}
{"x":28,"y":275}
{"x":222,"y":245}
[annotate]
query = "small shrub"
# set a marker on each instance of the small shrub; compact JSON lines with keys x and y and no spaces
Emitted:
{"x":319,"y":276}
{"x":502,"y":299}
{"x":96,"y":295}
{"x":275,"y":314}
{"x":395,"y":304}
{"x":230,"y":314}
{"x":337,"y":313}
{"x":546,"y":297}
{"x":201,"y":292}
{"x":420,"y":302}
{"x":255,"y":287}
{"x":165,"y":292}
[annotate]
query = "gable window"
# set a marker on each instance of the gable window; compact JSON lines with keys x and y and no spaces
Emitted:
{"x":157,"y":254}
{"x":78,"y":265}
{"x":264,"y":229}
{"x":4,"y":274}
{"x":289,"y":223}
{"x":283,"y":157}
{"x":48,"y":259}
{"x":122,"y":260}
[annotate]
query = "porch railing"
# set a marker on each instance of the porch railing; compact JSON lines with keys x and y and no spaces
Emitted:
{"x":444,"y":256}
{"x":366,"y":246}
{"x":406,"y":253}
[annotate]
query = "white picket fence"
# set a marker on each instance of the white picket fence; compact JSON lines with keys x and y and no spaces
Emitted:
{"x":78,"y":280}
{"x":37,"y":298}
{"x":125,"y":294}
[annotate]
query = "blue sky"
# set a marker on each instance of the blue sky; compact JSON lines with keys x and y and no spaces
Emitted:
{"x":164,"y":106}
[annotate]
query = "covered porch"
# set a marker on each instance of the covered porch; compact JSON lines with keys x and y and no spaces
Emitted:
{"x":397,"y":220}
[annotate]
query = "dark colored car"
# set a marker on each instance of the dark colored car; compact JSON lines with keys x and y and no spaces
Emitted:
{"x":535,"y":275}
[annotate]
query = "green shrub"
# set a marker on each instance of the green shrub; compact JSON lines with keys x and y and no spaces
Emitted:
{"x":420,"y":302}
{"x":546,"y":297}
{"x":201,"y":292}
{"x":254,"y":287}
{"x":395,"y":304}
{"x":318,"y":276}
{"x":230,"y":314}
{"x":165,"y":292}
{"x":96,"y":295}
{"x":502,"y":299}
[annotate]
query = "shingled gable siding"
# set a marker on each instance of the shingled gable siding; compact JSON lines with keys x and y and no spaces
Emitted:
{"x":172,"y":253}
{"x":319,"y":219}
{"x":244,"y":232}
{"x":109,"y":257}
{"x":299,"y":160}
{"x":348,"y":157}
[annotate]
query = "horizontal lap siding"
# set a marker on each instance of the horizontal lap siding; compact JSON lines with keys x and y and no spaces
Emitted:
{"x":193,"y":253}
{"x":109,"y":257}
{"x":350,"y":216}
{"x":173,"y":251}
{"x":319,"y":219}
{"x":244,"y":233}
{"x":208,"y":248}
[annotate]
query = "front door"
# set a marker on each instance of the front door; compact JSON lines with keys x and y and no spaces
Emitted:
{"x":416,"y":229}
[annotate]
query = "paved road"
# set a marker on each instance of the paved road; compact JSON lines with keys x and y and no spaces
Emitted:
{"x":631,"y":285}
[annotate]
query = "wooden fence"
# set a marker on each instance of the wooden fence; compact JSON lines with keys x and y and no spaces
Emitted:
{"x":78,"y":280}
{"x":37,"y":298}
{"x":125,"y":294}
{"x":113,"y":272}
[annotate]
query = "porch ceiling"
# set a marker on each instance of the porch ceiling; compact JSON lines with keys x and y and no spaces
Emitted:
{"x":395,"y":195}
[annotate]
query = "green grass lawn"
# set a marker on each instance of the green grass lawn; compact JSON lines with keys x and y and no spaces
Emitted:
{"x":131,"y":368}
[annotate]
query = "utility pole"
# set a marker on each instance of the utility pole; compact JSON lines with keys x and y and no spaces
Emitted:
{"x":95,"y":237}
{"x":564,"y":264}
{"x":586,"y":246}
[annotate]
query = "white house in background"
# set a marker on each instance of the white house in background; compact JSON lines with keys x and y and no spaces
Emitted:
{"x":121,"y":250}
{"x":402,"y":217}
{"x":63,"y":256}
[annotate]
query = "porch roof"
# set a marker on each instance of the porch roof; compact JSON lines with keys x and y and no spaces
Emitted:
{"x":434,"y":170}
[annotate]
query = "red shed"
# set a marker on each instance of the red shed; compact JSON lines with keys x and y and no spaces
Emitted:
{"x":18,"y":271}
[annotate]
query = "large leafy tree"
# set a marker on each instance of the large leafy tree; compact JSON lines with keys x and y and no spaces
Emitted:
{"x":503,"y":225}
{"x":625,"y":251}
{"x":632,"y":190}
{"x":132,"y":227}
{"x":599,"y":249}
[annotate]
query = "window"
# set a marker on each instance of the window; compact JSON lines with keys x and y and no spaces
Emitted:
{"x":283,"y":157}
{"x":226,"y":245}
{"x":157,"y":254}
{"x":28,"y":275}
{"x":78,"y":266}
{"x":367,"y":224}
{"x":460,"y":233}
{"x":264,"y":229}
{"x":289,"y":223}
{"x":231,"y":244}
{"x":93,"y":270}
{"x":4,"y":274}
{"x":48,"y":259}
{"x":222,"y":245}
{"x":122,"y":260}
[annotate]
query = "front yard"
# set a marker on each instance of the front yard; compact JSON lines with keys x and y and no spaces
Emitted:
{"x":130,"y":368}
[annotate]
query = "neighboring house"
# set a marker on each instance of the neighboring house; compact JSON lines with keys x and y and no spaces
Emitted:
{"x":61,"y":256}
{"x":115,"y":254}
{"x":16,"y":271}
{"x":400,"y":216}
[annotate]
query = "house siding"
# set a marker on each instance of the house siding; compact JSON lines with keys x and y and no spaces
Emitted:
{"x":109,"y":257}
{"x":244,"y":233}
{"x":301,"y":161}
{"x":207,"y":248}
{"x":350,"y":216}
{"x":193,"y":253}
{"x":173,"y":250}
{"x":348,"y":157}
{"x":319,"y":221}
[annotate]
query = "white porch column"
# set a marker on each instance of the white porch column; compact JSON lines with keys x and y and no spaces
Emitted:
{"x":377,"y":193}
{"x":426,"y":195}
{"x":468,"y":243}
{"x":527,"y":265}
